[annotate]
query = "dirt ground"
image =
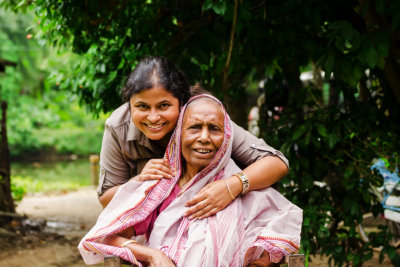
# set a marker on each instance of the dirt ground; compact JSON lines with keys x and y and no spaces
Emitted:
{"x":67,"y":217}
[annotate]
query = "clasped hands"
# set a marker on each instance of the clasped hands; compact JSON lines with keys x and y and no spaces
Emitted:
{"x":208,"y":201}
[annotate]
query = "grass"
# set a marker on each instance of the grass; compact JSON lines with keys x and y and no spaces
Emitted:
{"x":49,"y":176}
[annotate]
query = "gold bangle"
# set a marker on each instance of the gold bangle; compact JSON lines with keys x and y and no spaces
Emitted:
{"x":229,"y":190}
{"x":128,"y":242}
{"x":245,"y":182}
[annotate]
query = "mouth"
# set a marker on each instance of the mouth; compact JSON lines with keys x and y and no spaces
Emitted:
{"x":154,"y":126}
{"x":203,"y":151}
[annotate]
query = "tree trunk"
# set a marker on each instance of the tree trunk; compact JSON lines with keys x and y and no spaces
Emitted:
{"x":392,"y":73}
{"x":392,"y":67}
{"x":6,"y":200}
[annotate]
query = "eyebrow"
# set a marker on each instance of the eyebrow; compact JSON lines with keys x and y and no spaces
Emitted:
{"x":161,"y":102}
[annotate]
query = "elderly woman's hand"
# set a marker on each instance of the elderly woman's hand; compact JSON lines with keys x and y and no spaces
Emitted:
{"x":212,"y":198}
{"x":157,"y":258}
{"x":155,"y":169}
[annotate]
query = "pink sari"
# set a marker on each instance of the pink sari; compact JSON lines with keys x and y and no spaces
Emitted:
{"x":260,"y":220}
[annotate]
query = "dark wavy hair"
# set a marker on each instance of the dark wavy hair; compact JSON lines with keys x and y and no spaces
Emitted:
{"x":157,"y":71}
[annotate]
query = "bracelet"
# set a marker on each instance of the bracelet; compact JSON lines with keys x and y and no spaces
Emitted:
{"x":128,"y":242}
{"x":229,"y":190}
{"x":245,"y":182}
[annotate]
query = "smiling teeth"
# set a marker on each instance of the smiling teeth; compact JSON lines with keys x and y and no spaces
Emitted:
{"x":154,"y":126}
{"x":203,"y":151}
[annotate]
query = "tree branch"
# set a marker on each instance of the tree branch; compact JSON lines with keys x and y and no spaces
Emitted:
{"x":231,"y":42}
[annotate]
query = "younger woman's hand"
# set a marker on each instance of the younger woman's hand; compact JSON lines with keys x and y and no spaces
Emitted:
{"x":212,"y":198}
{"x":155,"y":169}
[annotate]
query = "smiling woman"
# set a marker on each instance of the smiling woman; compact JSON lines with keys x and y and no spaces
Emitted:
{"x":260,"y":227}
{"x":155,"y":112}
{"x":202,"y":134}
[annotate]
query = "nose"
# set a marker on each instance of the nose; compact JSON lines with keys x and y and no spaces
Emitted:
{"x":153,"y":116}
{"x":204,"y":135}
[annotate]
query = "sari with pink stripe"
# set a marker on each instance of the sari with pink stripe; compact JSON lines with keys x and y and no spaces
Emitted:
{"x":260,"y":220}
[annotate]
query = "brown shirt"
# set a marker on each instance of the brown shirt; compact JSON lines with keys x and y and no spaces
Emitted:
{"x":125,"y":150}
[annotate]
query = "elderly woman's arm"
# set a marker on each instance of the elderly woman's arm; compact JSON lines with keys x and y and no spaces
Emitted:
{"x":265,"y":166}
{"x":154,"y":257}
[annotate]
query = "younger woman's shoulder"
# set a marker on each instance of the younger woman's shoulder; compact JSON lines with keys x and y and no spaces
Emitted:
{"x":120,"y":116}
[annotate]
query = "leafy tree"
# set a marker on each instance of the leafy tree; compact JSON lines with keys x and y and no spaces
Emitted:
{"x":330,"y":129}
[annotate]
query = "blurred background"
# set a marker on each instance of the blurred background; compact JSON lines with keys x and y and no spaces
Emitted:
{"x":318,"y":80}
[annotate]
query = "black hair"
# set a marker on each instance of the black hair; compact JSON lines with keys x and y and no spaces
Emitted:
{"x":157,"y":71}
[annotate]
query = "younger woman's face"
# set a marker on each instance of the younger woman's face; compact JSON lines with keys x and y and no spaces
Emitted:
{"x":155,"y":112}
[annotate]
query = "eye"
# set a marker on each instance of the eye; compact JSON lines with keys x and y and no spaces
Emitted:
{"x":164,"y":105}
{"x":141,"y":106}
{"x":214,"y":128}
{"x":194,"y":127}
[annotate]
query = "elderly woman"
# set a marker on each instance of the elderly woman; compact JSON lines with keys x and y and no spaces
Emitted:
{"x":258,"y":228}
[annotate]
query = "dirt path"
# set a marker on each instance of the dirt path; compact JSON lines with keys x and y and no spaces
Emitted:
{"x":69,"y":214}
{"x":72,"y":215}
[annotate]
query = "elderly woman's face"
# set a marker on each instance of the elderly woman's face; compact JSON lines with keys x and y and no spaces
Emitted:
{"x":202,"y":133}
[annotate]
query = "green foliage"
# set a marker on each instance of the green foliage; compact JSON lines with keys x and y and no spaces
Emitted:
{"x":49,"y":177}
{"x":330,"y":150}
{"x":41,"y":115}
{"x":18,"y":191}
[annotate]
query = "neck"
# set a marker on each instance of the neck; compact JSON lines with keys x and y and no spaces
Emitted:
{"x":187,"y":174}
{"x":163,"y":142}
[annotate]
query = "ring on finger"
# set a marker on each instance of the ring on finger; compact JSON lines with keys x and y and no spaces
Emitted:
{"x":205,"y":205}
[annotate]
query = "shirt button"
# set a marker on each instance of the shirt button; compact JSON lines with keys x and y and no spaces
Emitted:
{"x":253,"y":145}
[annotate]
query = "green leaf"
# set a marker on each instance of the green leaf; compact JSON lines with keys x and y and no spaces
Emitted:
{"x":299,"y":132}
{"x":285,"y":148}
{"x":332,"y":140}
{"x":383,"y":48}
{"x":371,"y":57}
{"x":208,"y":4}
{"x":112,"y":76}
{"x":348,"y":172}
{"x":307,"y":139}
{"x":220,"y":8}
{"x":358,"y":72}
{"x":322,"y":130}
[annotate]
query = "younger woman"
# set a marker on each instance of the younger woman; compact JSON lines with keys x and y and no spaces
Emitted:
{"x":136,"y":135}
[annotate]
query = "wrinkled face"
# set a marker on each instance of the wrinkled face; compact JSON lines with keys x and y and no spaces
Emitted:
{"x":155,"y":112}
{"x":202,"y":134}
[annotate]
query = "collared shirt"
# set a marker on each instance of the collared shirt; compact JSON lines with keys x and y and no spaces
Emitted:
{"x":125,"y":150}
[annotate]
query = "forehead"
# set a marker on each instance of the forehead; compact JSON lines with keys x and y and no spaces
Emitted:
{"x":204,"y":109}
{"x":154,"y":94}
